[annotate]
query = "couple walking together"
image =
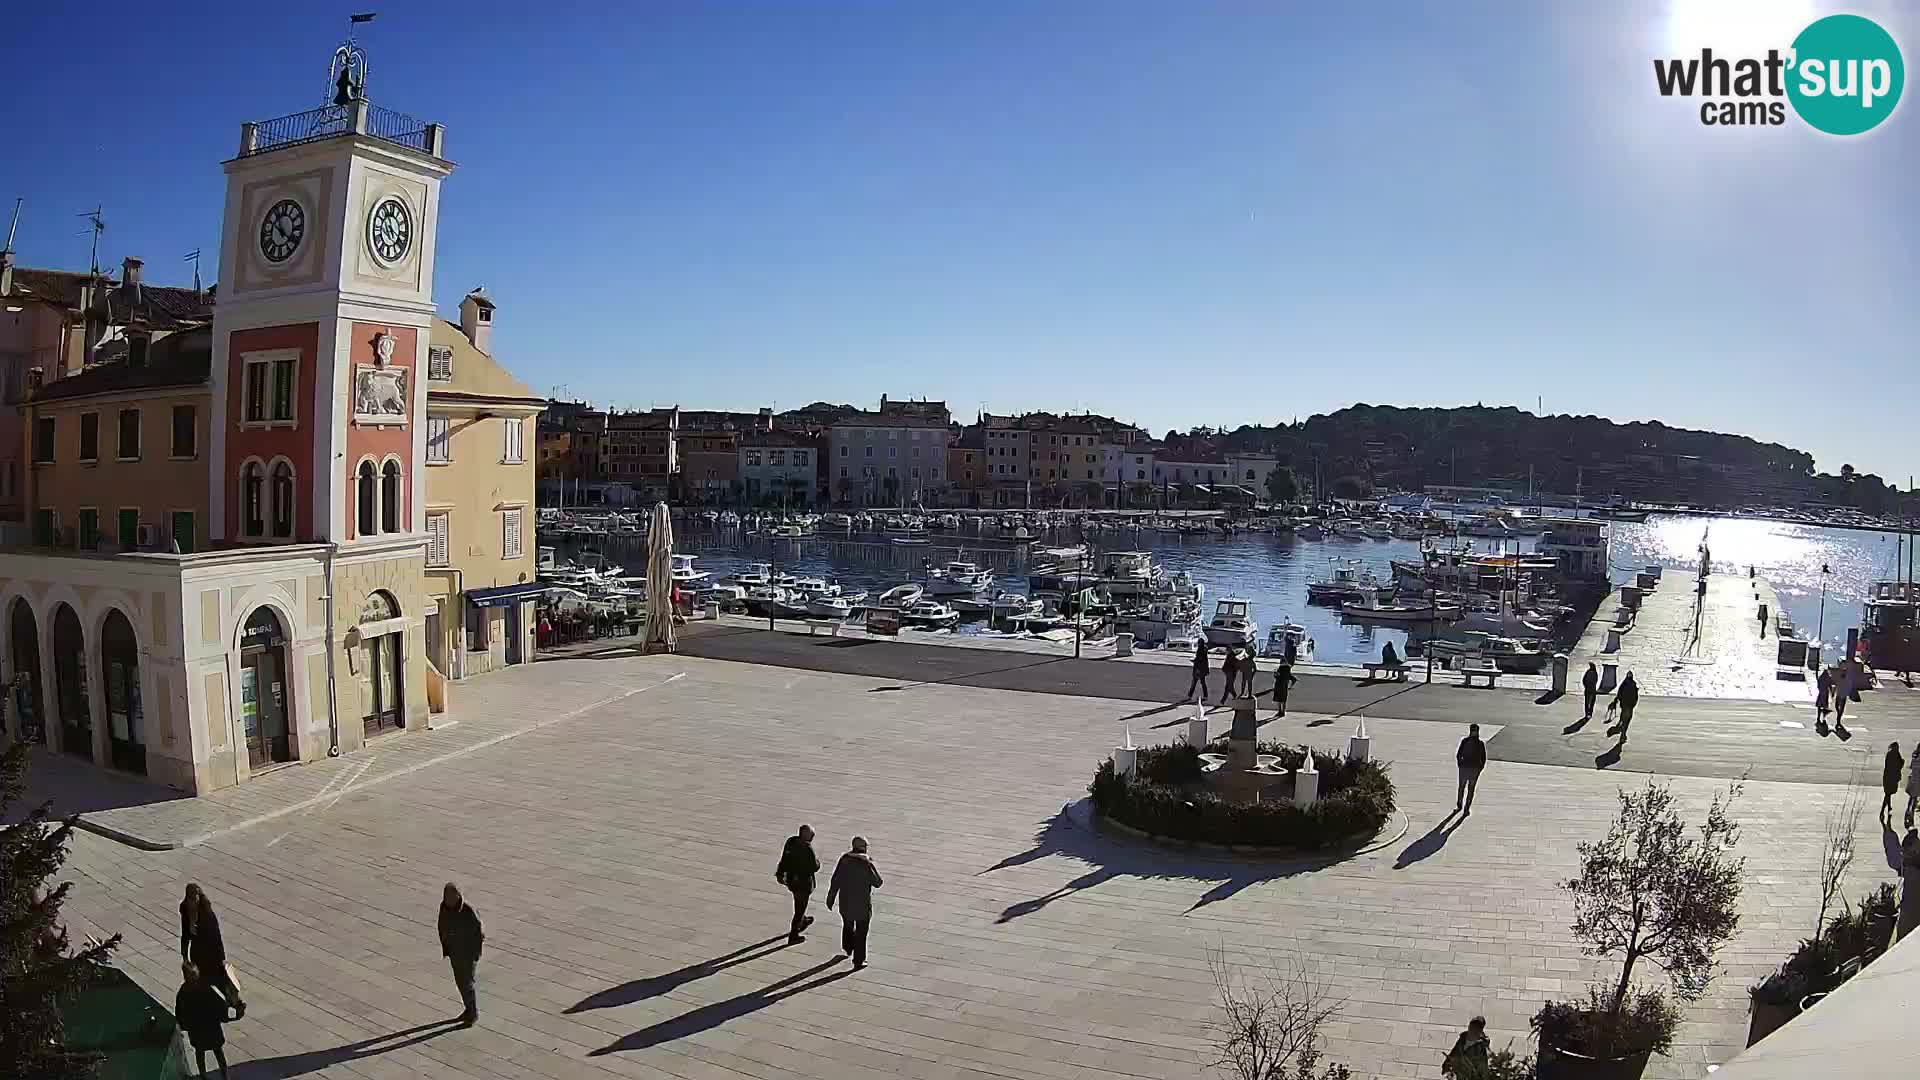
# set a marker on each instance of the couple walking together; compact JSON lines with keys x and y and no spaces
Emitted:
{"x":854,"y":879}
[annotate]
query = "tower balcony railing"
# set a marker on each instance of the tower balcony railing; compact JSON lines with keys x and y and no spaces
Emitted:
{"x":354,"y":118}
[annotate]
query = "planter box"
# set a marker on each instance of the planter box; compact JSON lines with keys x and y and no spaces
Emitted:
{"x":1558,"y":1064}
{"x":1767,"y":1019}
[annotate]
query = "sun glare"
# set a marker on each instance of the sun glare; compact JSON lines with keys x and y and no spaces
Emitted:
{"x":1735,"y":27}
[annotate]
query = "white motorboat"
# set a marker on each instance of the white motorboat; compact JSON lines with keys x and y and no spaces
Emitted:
{"x":1371,"y":607}
{"x":1164,"y":620}
{"x":1288,"y":633}
{"x":836,"y":520}
{"x":1377,"y":530}
{"x":1129,"y":573}
{"x":829,"y":607}
{"x":930,"y":613}
{"x":760,"y":575}
{"x":1232,"y":623}
{"x":911,"y":541}
{"x":683,"y":573}
{"x":1508,"y":654}
{"x":959,"y":579}
{"x":727,"y":596}
{"x":766,"y":599}
{"x":901,"y":596}
{"x":1009,"y":605}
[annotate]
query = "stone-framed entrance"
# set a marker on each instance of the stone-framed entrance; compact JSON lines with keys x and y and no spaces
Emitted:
{"x":70,"y":682}
{"x":266,"y":691}
{"x":383,"y":654}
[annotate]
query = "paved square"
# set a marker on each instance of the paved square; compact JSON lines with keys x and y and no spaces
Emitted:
{"x":622,"y":856}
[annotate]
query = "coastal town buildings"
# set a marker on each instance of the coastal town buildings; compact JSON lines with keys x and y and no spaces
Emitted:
{"x":262,"y":530}
{"x":898,"y":452}
{"x":777,"y":468}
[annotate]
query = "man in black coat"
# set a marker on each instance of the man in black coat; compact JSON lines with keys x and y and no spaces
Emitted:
{"x":1471,"y":757}
{"x":1590,"y":685}
{"x":460,"y":941}
{"x":1200,"y":672}
{"x":796,"y":871}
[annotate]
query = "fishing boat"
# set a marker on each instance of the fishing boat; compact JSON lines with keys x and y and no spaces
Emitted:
{"x":1349,"y":582}
{"x":959,"y":579}
{"x":911,"y":541}
{"x":1232,"y":623}
{"x":1286,"y":634}
{"x":901,"y":596}
{"x":727,"y":596}
{"x":683,"y":573}
{"x":829,"y":607}
{"x":929,"y":613}
{"x":1165,"y":619}
{"x":1371,"y":608}
{"x":1012,"y":605}
{"x":1508,"y":654}
{"x":766,"y":599}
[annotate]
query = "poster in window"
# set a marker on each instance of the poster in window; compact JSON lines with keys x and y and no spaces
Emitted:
{"x":250,"y":701}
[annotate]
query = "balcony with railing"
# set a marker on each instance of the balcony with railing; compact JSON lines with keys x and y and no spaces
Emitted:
{"x":328,"y":121}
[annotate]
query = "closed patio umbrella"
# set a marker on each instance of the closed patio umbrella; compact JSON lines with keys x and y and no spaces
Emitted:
{"x":660,"y":582}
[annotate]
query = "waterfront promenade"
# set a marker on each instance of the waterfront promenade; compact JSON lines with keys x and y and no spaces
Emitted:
{"x":615,"y":820}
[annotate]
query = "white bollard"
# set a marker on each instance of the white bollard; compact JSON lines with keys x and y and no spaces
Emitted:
{"x":1124,"y":758}
{"x":1306,"y":785}
{"x":713,"y":609}
{"x":1360,"y":745}
{"x":1197,"y":728}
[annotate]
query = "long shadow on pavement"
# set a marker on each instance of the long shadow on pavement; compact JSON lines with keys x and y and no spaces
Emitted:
{"x":708,"y":1017}
{"x":1110,"y":858}
{"x":287,"y":1065}
{"x":653,"y":986}
{"x":1430,"y":844}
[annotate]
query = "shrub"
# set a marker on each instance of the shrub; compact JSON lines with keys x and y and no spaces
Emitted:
{"x":1165,"y":798}
{"x":1818,"y":965}
{"x":1643,"y":1019}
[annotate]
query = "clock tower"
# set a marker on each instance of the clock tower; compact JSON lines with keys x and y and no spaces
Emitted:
{"x":320,"y":331}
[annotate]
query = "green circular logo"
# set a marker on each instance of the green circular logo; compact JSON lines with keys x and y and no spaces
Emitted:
{"x":1846,"y":75}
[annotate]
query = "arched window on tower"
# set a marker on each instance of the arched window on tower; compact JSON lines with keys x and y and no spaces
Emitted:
{"x":252,"y":514}
{"x":390,"y":498}
{"x":368,"y":498}
{"x":283,"y":500}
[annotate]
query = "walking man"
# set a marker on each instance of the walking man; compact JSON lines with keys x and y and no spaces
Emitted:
{"x":1590,"y":686}
{"x":460,"y":941}
{"x":1249,"y":669}
{"x":1200,"y":671}
{"x":1471,"y":757}
{"x":854,"y":879}
{"x":1890,"y":772}
{"x":1913,"y":783}
{"x":1283,"y":680}
{"x":1763,"y":621}
{"x":1230,"y":668}
{"x":796,"y":871}
{"x":1468,"y":1058}
{"x":1843,"y":692}
{"x":1625,"y":699}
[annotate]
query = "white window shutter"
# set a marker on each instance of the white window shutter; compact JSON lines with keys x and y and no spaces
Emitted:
{"x":437,"y":539}
{"x":510,"y":541}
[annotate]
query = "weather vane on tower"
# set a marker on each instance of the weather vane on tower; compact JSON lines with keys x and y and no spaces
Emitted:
{"x":348,"y":71}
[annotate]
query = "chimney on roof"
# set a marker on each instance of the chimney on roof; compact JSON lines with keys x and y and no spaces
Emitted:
{"x":766,"y":419}
{"x":476,"y":319}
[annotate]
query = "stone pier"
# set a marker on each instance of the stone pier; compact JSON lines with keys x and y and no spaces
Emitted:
{"x":1729,"y":659}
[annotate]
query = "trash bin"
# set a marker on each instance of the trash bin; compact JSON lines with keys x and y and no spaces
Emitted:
{"x":1123,"y":644}
{"x":1559,"y":673}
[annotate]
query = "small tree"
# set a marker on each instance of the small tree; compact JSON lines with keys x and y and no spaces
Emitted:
{"x":35,"y":967}
{"x":1282,"y":487}
{"x":1649,"y":891}
{"x":1270,"y":1024}
{"x":1836,"y":855}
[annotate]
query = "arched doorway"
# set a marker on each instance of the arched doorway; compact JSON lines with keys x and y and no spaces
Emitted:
{"x":120,"y":661}
{"x":24,"y":698}
{"x":70,"y":682}
{"x":266,"y":697}
{"x":386,"y":707}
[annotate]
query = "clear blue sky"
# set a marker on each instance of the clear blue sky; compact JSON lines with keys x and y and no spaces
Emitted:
{"x":1174,"y":213}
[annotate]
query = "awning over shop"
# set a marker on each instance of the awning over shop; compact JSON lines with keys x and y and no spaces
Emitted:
{"x":502,"y":595}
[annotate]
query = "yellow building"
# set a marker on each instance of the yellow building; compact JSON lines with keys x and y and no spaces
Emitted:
{"x":481,"y":582}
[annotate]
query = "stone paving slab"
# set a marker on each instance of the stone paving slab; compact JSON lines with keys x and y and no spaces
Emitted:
{"x":622,"y":857}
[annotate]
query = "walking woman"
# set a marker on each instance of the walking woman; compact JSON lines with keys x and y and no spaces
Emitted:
{"x":1913,"y":783}
{"x":1823,"y":698}
{"x":202,"y":945}
{"x":1890,"y":780}
{"x":200,"y":1009}
{"x":1200,"y":672}
{"x":1283,"y":680}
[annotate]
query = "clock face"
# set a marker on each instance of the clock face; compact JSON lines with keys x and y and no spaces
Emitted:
{"x":282,"y":230}
{"x":390,"y":230}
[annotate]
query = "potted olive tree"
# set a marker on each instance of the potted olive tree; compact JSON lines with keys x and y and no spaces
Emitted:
{"x":1649,"y":890}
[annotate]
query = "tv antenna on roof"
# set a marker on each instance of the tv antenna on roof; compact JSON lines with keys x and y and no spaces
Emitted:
{"x":194,"y":258}
{"x":99,"y":226}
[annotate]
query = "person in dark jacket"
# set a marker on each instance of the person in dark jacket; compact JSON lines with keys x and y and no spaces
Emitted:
{"x":1388,"y":656}
{"x":200,"y":1009}
{"x":796,"y":871}
{"x":1230,"y":668}
{"x":1590,"y":685}
{"x":1471,"y":757}
{"x":1468,"y":1058}
{"x":1890,"y":780}
{"x":854,"y":879}
{"x":460,"y":941}
{"x":1625,"y":699}
{"x":1822,"y":698}
{"x":1283,"y":680}
{"x":202,"y":945}
{"x":1200,"y":671}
